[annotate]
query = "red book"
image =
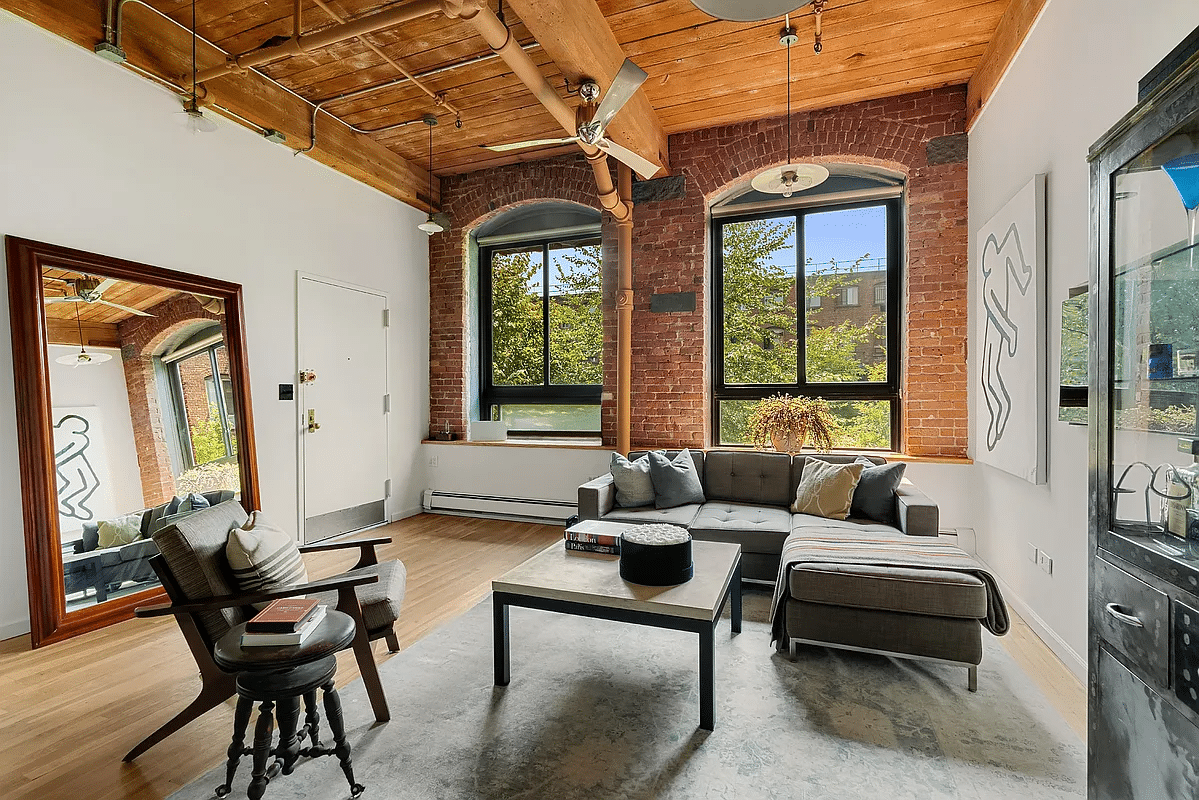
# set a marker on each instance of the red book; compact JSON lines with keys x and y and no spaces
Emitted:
{"x":284,"y":615}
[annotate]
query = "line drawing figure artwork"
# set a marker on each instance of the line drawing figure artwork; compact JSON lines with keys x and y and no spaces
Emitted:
{"x":1004,"y":269}
{"x":77,"y":478}
{"x":1010,"y":402}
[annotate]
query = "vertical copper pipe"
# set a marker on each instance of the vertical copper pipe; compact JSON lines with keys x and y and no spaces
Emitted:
{"x":624,"y":312}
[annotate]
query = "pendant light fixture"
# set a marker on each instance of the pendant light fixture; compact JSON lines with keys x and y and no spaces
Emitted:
{"x":194,"y":118}
{"x":83,"y":357}
{"x":434,"y":223}
{"x":789,"y":178}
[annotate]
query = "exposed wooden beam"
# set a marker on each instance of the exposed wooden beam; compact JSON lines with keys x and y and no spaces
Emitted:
{"x":155,"y":45}
{"x":1013,"y":28}
{"x":575,"y":34}
{"x":95,"y":334}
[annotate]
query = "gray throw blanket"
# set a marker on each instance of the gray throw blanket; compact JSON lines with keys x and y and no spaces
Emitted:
{"x":924,"y":552}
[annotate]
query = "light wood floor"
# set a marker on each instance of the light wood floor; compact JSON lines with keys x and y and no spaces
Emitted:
{"x":70,"y":711}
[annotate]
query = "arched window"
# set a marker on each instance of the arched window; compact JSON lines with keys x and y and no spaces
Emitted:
{"x":834,"y":253}
{"x":541,"y":319}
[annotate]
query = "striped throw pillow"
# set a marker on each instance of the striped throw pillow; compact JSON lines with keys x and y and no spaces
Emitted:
{"x":264,"y":556}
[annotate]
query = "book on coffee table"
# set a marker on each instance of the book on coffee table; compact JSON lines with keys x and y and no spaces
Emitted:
{"x":284,"y":615}
{"x":284,"y":639}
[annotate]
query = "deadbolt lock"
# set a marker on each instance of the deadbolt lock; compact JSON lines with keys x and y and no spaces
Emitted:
{"x":313,"y":425}
{"x":307,"y":376}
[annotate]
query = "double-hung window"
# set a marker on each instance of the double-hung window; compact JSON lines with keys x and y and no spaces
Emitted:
{"x":541,"y":335}
{"x":820,"y":342}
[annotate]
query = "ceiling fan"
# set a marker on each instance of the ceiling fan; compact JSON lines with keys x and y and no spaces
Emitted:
{"x":91,"y":291}
{"x":591,"y":131}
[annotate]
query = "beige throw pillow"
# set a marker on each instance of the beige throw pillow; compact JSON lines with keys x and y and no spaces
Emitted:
{"x":264,"y":556}
{"x":119,"y":531}
{"x":825,"y":489}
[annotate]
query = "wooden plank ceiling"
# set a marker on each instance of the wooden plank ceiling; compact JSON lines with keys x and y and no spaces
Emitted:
{"x":703,"y":71}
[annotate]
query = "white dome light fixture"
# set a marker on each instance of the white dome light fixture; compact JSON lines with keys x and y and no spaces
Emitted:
{"x":83,"y":357}
{"x":748,"y":10}
{"x":789,"y":178}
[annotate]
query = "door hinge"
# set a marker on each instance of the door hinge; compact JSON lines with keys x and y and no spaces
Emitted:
{"x":387,"y":488}
{"x":386,"y":404}
{"x":386,"y":318}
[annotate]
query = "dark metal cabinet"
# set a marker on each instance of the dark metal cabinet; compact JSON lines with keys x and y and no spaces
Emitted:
{"x":1143,"y":697}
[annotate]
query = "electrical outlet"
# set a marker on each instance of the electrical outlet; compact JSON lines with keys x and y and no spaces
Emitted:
{"x":1033,"y":552}
{"x":434,"y":461}
{"x":1045,"y":563}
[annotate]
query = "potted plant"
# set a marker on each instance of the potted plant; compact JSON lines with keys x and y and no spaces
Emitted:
{"x":789,"y":422}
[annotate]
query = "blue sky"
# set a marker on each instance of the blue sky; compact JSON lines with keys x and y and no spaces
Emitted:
{"x":843,"y":235}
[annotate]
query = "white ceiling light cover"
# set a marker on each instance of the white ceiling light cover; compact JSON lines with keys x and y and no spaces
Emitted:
{"x":790,"y":178}
{"x":749,"y":10}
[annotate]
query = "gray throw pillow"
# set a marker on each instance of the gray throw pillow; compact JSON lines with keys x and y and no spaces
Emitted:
{"x":875,"y":496}
{"x":676,"y":483}
{"x":633,"y":485}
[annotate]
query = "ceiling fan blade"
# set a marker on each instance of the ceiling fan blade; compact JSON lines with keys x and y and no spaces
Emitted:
{"x":624,"y":86}
{"x":106,"y":284}
{"x":124,"y":308}
{"x":643,"y":167}
{"x":71,"y":299}
{"x":503,"y":148}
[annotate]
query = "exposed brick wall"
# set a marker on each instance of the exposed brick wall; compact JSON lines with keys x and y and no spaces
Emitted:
{"x":140,"y":338}
{"x":671,"y":402}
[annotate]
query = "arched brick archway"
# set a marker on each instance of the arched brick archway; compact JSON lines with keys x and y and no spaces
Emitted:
{"x":141,"y":339}
{"x":919,"y":135}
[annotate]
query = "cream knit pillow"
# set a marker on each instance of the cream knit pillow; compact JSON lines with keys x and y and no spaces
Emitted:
{"x":825,"y":489}
{"x":263,"y":556}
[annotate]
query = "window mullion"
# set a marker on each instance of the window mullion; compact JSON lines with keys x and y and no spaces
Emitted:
{"x":801,"y":304}
{"x":545,"y":313}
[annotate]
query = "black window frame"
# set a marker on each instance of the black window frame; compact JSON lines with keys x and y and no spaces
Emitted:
{"x":888,"y":390}
{"x":179,"y":405}
{"x":546,"y":393}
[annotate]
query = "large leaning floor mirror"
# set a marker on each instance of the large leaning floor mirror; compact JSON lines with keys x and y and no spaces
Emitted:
{"x":132,"y":411}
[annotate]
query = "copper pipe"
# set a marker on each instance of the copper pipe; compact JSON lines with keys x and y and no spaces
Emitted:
{"x":323,"y":38}
{"x":437,"y":98}
{"x":624,"y":313}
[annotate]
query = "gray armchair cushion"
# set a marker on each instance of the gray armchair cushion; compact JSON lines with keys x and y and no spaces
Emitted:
{"x":679,"y":515}
{"x":634,"y":487}
{"x":381,"y":601}
{"x":748,"y":477}
{"x":758,"y":529}
{"x":874,"y":497}
{"x":676,"y":481}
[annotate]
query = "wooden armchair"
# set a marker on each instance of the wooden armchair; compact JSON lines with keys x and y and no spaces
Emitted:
{"x":206,"y":603}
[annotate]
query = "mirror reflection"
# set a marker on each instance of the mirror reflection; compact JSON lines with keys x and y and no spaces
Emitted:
{"x":144,"y":423}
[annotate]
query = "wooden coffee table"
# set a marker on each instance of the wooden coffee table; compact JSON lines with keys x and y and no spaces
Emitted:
{"x":589,"y":585}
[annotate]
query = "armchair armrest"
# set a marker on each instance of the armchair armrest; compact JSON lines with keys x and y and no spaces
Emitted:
{"x":367,"y":555}
{"x":918,"y":514}
{"x":597,"y":497}
{"x":339,"y":584}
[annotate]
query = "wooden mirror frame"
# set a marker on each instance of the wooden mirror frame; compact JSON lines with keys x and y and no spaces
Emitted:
{"x":48,"y":617}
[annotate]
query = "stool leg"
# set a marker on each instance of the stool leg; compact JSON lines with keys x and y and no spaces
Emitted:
{"x":312,"y":718}
{"x":263,"y":733}
{"x":341,"y":746}
{"x":288,"y":750}
{"x":241,"y":720}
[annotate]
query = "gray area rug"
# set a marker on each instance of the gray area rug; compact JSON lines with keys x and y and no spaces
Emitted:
{"x":607,"y":710}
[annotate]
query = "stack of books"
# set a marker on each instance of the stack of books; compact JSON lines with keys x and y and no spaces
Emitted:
{"x":582,"y":540}
{"x":287,"y":621}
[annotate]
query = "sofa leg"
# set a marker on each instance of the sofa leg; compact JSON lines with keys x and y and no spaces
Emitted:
{"x":972,"y":685}
{"x":793,"y":653}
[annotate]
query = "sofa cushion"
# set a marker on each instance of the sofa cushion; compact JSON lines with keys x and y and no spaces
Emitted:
{"x":140,"y":550}
{"x":826,"y":489}
{"x":875,"y":496}
{"x":679,"y":515}
{"x":740,"y":476}
{"x":676,"y":481}
{"x":697,"y":456}
{"x":90,"y":538}
{"x":119,"y":530}
{"x":939,"y":593}
{"x":820,"y":527}
{"x":633,"y":484}
{"x":799,"y":462}
{"x":758,"y":529}
{"x":949,"y":638}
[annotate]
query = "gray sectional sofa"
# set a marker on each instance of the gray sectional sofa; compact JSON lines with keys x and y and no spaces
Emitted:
{"x":920,"y":598}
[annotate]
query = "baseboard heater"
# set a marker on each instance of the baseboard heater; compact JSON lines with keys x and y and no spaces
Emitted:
{"x":522,"y":509}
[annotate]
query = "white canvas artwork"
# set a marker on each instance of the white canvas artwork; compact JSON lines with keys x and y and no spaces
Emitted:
{"x":1009,"y":426}
{"x":85,"y":488}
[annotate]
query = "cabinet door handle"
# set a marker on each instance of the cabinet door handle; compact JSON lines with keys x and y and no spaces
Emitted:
{"x":1127,"y":619}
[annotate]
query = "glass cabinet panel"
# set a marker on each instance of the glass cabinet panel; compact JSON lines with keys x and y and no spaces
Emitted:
{"x":1155,"y":335}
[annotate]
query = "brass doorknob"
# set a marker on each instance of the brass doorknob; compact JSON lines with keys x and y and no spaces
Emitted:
{"x":313,"y":425}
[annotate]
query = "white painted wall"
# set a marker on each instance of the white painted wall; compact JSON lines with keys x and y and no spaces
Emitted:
{"x":1074,"y":78}
{"x":91,"y":157}
{"x":102,"y":385}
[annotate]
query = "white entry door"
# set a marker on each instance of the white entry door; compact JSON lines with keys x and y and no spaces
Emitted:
{"x":343,"y":403}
